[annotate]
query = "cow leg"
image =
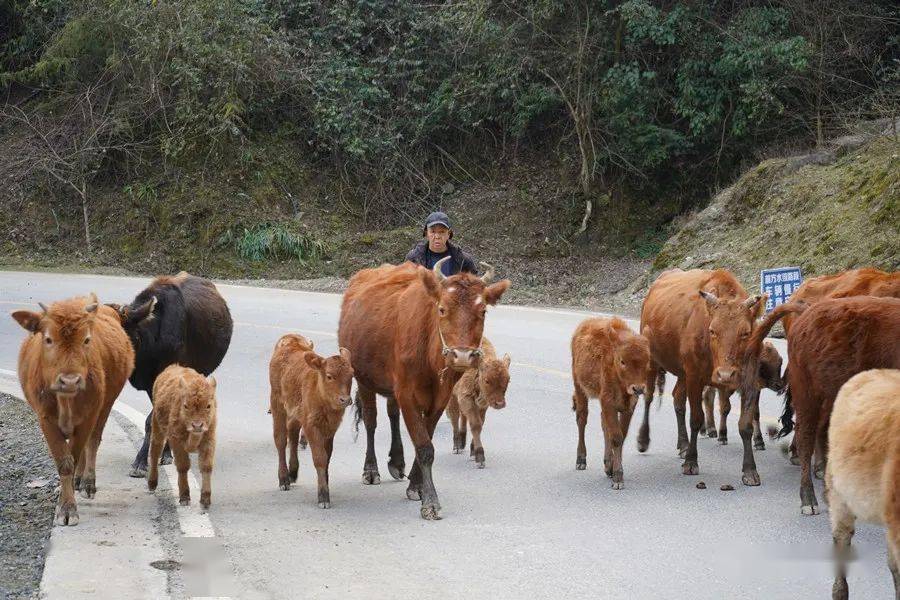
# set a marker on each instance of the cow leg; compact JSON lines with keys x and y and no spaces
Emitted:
{"x":679,"y":395}
{"x":695,"y":396}
{"x":614,"y":437}
{"x":183,"y":465}
{"x":805,"y":436}
{"x":206,"y":456}
{"x":843,"y":522}
{"x":476,"y":422}
{"x":293,"y":434}
{"x":66,"y":510}
{"x":643,"y":438}
{"x":139,"y":465}
{"x":580,"y":406}
{"x":758,"y":441}
{"x":421,"y":428}
{"x":303,"y":441}
{"x":894,"y":556}
{"x":821,"y":452}
{"x":793,"y":456}
{"x":709,"y":403}
{"x":320,"y":454}
{"x":396,"y":461}
{"x":453,"y":415}
{"x":749,"y":410}
{"x":89,"y":478}
{"x":724,"y":411}
{"x":279,"y":436}
{"x":366,"y":398}
{"x":157,"y":441}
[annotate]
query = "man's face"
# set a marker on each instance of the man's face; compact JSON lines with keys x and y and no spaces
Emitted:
{"x":438,"y":235}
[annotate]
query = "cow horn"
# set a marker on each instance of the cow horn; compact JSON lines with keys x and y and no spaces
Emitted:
{"x":488,"y":273}
{"x":437,"y":269}
{"x":94,"y":298}
{"x":43,"y":307}
{"x":751,"y":301}
{"x":710,"y":298}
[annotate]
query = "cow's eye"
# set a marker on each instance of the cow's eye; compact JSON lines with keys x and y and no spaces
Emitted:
{"x":48,"y":341}
{"x":208,"y":406}
{"x":87,"y":340}
{"x":329,"y":377}
{"x":712,"y":333}
{"x":442,"y":311}
{"x":622,"y":363}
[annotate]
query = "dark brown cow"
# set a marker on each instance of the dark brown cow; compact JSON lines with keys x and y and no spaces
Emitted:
{"x":698,"y":323}
{"x":411,"y":333}
{"x":610,"y":363}
{"x":856,"y":282}
{"x":72,"y":367}
{"x":829,"y":343}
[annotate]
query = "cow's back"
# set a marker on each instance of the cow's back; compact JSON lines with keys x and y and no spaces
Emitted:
{"x":674,"y":315}
{"x":370,"y":313}
{"x":208,"y":325}
{"x":837,"y":338}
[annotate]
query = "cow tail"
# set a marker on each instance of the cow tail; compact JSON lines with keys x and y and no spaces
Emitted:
{"x":787,"y":416}
{"x":357,"y":415}
{"x":660,"y":386}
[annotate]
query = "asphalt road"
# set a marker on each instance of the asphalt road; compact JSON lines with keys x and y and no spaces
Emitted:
{"x":527,"y":525}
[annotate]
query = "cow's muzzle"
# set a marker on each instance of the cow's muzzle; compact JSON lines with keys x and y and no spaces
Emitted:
{"x":345,"y":401}
{"x":68,"y":383}
{"x":725,"y":376}
{"x":462,"y":359}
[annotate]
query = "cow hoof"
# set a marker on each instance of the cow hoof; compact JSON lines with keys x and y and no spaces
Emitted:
{"x":840,"y":590}
{"x":184,"y":501}
{"x":618,"y":485}
{"x":324,"y":504}
{"x":413,"y":494}
{"x":643,"y":445}
{"x":759,"y":444}
{"x":138,"y":471}
{"x":397,"y":471}
{"x":580,"y":463}
{"x":751,"y":478}
{"x":794,"y":460}
{"x":88,"y":488}
{"x":431,"y":513}
{"x":723,"y":441}
{"x":690,"y":468}
{"x":479,"y":464}
{"x":809,"y":510}
{"x":284,"y":485}
{"x":151,"y":485}
{"x":303,"y":444}
{"x":66,"y":514}
{"x":204,"y":501}
{"x":371,"y":477}
{"x":292,"y":475}
{"x":457,"y":450}
{"x":76,"y":483}
{"x":712,"y":433}
{"x":820,"y":472}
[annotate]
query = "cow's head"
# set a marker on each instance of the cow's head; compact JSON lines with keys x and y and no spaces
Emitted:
{"x":198,"y":403}
{"x":461,"y":303}
{"x":134,"y":315}
{"x":65,"y":333}
{"x":631,"y":361}
{"x":493,"y":379}
{"x":335,"y":377}
{"x":730,"y":325}
{"x":770,"y":368}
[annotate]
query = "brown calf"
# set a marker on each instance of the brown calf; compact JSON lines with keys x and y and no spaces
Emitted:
{"x":862,"y":480}
{"x":475,"y":391}
{"x":72,"y":367}
{"x":184,"y":415}
{"x":609,"y":362}
{"x":308,"y":392}
{"x":698,"y":323}
{"x":829,"y":343}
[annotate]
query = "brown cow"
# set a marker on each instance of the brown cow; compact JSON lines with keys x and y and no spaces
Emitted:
{"x":609,"y":362}
{"x":475,"y":391}
{"x":829,"y":343}
{"x":698,"y":323}
{"x":412,"y":332}
{"x":311,"y":392}
{"x":863,"y":475}
{"x":184,"y":416}
{"x":72,"y":368}
{"x":769,"y":377}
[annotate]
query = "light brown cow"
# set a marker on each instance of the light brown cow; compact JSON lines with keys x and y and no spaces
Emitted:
{"x":412,"y":332}
{"x":855,"y":282}
{"x":312,"y":393}
{"x":862,"y":480}
{"x":698,"y":323}
{"x":475,"y":391}
{"x":184,"y":415}
{"x":609,"y":362}
{"x":72,"y":367}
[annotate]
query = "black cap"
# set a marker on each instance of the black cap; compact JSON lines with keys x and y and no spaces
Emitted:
{"x":438,"y":218}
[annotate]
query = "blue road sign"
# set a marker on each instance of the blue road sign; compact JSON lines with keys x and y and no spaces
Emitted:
{"x":779,"y":284}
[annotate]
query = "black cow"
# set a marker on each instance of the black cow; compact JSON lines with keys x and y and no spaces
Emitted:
{"x":181,"y":319}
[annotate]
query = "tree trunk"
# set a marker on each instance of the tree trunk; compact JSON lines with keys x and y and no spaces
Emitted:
{"x":84,"y":213}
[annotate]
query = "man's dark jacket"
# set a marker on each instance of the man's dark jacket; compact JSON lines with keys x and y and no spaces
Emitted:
{"x":459,"y":260}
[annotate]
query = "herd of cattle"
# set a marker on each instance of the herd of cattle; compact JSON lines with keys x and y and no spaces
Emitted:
{"x":416,"y":337}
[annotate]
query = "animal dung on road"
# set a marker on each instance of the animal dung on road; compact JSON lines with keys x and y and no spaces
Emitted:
{"x":727,"y":488}
{"x":701,"y":486}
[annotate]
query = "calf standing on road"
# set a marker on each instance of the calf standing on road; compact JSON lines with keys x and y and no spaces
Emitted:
{"x":311,"y":392}
{"x":184,"y":414}
{"x":609,"y":362}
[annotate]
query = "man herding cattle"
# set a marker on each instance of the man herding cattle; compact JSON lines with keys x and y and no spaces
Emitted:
{"x":436,"y":246}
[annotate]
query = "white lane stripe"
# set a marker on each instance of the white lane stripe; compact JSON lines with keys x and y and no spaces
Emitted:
{"x":191,"y":521}
{"x":286,"y":329}
{"x":10,"y":374}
